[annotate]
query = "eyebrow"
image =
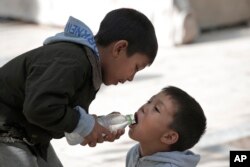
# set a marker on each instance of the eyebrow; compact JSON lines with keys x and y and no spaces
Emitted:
{"x":159,"y":101}
{"x":162,"y":105}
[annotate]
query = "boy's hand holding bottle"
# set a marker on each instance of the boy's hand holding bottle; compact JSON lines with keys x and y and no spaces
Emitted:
{"x":108,"y":128}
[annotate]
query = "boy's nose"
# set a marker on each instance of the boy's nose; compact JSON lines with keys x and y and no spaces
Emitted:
{"x":145,"y":108}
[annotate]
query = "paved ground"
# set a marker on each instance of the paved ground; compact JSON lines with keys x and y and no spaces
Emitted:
{"x":215,"y":70}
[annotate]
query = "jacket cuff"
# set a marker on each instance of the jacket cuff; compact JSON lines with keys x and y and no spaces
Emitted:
{"x":85,"y":125}
{"x":86,"y":122}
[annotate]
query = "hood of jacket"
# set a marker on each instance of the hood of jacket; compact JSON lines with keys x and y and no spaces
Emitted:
{"x":77,"y":32}
{"x":163,"y":159}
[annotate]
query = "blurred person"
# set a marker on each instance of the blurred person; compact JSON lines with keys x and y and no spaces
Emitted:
{"x":46,"y":92}
{"x":169,"y":124}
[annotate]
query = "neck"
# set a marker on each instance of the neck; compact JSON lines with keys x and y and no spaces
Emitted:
{"x":149,"y":149}
{"x":105,"y":52}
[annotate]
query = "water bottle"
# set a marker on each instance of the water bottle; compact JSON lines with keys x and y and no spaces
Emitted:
{"x":113,"y":122}
{"x":116,"y":121}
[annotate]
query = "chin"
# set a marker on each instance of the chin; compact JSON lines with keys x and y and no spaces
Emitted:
{"x":131,"y":134}
{"x":133,"y":138}
{"x":107,"y":83}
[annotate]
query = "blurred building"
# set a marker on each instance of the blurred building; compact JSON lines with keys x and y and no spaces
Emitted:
{"x":176,"y":21}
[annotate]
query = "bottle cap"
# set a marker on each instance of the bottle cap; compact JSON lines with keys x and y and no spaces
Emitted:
{"x":130,"y":118}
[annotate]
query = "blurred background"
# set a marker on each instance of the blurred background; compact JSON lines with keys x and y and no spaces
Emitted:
{"x":204,"y":48}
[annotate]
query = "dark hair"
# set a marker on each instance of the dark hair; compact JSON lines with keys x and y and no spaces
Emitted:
{"x":189,"y":120}
{"x":131,"y":25}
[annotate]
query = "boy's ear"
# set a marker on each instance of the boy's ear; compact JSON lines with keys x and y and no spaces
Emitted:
{"x":170,"y":137}
{"x":120,"y":46}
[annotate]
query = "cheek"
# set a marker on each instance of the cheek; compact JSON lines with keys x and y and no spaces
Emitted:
{"x":146,"y":131}
{"x":107,"y":73}
{"x":124,"y":72}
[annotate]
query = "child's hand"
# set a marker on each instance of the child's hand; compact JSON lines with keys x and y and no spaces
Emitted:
{"x":97,"y":135}
{"x":114,"y":135}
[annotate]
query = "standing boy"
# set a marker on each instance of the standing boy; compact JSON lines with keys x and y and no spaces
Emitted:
{"x":169,"y":124}
{"x":46,"y":92}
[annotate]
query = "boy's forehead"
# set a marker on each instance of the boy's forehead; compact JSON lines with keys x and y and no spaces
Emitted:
{"x":160,"y":96}
{"x":165,"y":105}
{"x":164,"y":98}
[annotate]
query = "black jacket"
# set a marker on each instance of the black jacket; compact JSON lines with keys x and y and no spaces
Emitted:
{"x":40,"y":88}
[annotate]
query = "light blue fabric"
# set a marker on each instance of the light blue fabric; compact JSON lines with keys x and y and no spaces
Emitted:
{"x":162,"y":159}
{"x":77,"y":32}
{"x":84,"y":127}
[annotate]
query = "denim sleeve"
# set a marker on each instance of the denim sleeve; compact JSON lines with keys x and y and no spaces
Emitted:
{"x":84,"y":127}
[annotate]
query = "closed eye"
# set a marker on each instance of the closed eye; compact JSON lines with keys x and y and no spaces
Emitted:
{"x":156,"y":109}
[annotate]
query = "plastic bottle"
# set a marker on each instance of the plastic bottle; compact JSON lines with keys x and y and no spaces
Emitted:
{"x":116,"y":121}
{"x":113,"y":122}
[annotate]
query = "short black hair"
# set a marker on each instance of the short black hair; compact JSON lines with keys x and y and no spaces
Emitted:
{"x":189,"y":119}
{"x":131,"y":25}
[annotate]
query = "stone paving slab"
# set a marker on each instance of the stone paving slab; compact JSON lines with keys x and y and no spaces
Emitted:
{"x":215,"y":70}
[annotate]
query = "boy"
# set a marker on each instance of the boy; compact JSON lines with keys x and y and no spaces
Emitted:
{"x":46,"y":92}
{"x":168,"y":125}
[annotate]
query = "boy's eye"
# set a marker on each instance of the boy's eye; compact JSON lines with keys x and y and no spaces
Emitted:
{"x":156,"y":109}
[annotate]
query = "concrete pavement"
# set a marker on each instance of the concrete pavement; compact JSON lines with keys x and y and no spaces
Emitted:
{"x":215,"y":70}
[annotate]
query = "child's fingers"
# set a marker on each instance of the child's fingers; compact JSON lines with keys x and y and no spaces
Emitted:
{"x":115,"y":135}
{"x":120,"y":132}
{"x":111,"y":137}
{"x":105,"y":131}
{"x":84,"y":143}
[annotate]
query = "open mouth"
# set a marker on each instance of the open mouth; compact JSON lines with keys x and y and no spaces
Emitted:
{"x":136,"y":118}
{"x":135,"y":121}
